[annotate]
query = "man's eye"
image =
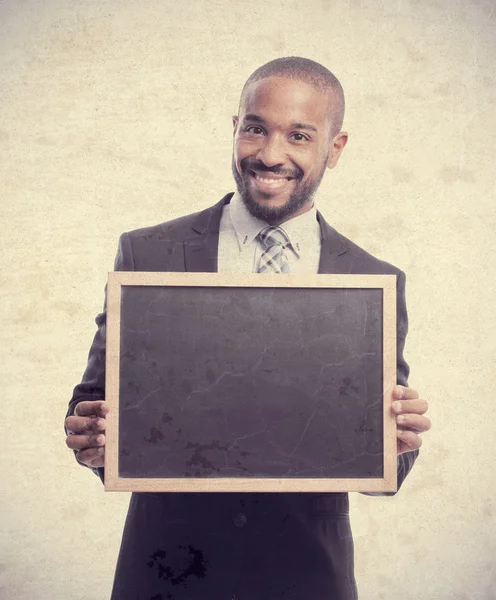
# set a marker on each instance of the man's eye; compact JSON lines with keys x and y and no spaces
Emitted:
{"x":254,"y":129}
{"x":299,"y":137}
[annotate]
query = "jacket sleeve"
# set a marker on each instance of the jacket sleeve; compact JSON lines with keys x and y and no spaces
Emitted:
{"x":405,"y":460}
{"x":92,"y":386}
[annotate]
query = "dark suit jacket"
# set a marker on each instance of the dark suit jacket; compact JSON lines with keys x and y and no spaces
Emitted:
{"x":218,"y":546}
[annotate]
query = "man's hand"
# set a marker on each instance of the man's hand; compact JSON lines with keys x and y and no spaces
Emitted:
{"x":86,"y":432}
{"x":410,"y":421}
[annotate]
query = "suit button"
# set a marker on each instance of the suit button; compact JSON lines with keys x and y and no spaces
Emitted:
{"x":239,"y":520}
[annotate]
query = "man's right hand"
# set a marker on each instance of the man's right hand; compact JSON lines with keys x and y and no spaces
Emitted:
{"x":87,"y":432}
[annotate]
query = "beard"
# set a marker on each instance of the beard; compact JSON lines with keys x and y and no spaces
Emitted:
{"x":302,"y":194}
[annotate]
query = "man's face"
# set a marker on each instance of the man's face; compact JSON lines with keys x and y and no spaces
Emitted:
{"x":282,"y":146}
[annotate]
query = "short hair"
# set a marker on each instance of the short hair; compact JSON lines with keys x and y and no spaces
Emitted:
{"x":304,"y":69}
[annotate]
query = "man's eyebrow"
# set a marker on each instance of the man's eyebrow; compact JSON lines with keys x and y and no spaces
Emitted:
{"x":258,"y":119}
{"x":252,"y":117}
{"x":304,"y":126}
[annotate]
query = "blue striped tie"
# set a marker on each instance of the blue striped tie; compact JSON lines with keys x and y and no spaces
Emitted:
{"x":274,"y":259}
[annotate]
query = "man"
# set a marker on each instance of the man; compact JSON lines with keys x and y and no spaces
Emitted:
{"x":250,"y":546}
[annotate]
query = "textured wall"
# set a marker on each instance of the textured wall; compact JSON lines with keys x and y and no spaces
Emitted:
{"x":117,"y":114}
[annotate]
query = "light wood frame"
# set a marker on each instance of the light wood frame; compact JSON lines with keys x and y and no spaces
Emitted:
{"x":113,"y":482}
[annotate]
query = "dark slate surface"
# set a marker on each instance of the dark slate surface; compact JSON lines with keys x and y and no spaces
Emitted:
{"x":250,"y":382}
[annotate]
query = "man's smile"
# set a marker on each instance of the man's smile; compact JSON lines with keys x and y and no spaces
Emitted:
{"x":268,"y":182}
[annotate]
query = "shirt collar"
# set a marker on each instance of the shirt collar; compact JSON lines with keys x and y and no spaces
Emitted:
{"x":300,"y":230}
{"x":246,"y":226}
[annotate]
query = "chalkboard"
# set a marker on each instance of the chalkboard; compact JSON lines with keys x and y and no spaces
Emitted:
{"x":250,"y":383}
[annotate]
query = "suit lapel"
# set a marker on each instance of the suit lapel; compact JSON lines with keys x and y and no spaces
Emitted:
{"x":200,"y":251}
{"x":334,"y":255}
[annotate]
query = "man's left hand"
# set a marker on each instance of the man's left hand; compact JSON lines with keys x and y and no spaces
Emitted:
{"x":409,"y":410}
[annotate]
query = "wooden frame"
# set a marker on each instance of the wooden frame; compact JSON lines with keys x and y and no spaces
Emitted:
{"x":356,"y":289}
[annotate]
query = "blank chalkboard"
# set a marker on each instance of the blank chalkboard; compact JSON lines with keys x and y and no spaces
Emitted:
{"x":250,"y":383}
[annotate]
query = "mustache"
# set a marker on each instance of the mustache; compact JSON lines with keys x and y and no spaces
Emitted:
{"x":256,"y":165}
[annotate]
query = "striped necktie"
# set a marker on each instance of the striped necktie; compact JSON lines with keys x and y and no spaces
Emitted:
{"x":273,"y":259}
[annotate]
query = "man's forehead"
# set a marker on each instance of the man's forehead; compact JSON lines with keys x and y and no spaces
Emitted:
{"x":285,"y":95}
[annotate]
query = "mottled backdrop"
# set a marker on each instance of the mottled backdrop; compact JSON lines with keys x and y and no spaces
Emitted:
{"x":116,"y":115}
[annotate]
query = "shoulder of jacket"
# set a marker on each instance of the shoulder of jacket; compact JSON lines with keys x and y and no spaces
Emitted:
{"x":166,"y":230}
{"x":369,"y":263}
{"x":374,"y":262}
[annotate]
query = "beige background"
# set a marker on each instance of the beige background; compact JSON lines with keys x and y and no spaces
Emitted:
{"x":116,"y":115}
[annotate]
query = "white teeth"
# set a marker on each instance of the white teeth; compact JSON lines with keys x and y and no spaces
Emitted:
{"x":273,"y":182}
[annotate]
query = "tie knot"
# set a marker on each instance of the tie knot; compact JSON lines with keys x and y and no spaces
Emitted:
{"x":273,"y":236}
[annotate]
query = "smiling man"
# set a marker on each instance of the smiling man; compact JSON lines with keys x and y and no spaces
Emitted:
{"x":250,"y":546}
{"x":286,"y":135}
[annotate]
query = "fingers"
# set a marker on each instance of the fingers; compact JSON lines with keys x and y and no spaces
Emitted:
{"x":90,"y":449}
{"x":92,"y":408}
{"x":409,"y":410}
{"x":417,"y":423}
{"x":93,"y":457}
{"x":418,"y":406}
{"x":81,"y":442}
{"x":401,"y":392}
{"x":407,"y":441}
{"x":85,"y":424}
{"x":86,"y":429}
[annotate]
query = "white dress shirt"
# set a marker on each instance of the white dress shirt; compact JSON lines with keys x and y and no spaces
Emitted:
{"x":239,"y":249}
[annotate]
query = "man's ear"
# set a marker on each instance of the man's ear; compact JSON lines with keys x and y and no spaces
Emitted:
{"x":336,"y":148}
{"x":235,"y":124}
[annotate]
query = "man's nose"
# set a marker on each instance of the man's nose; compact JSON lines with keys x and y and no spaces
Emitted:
{"x":272,"y":152}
